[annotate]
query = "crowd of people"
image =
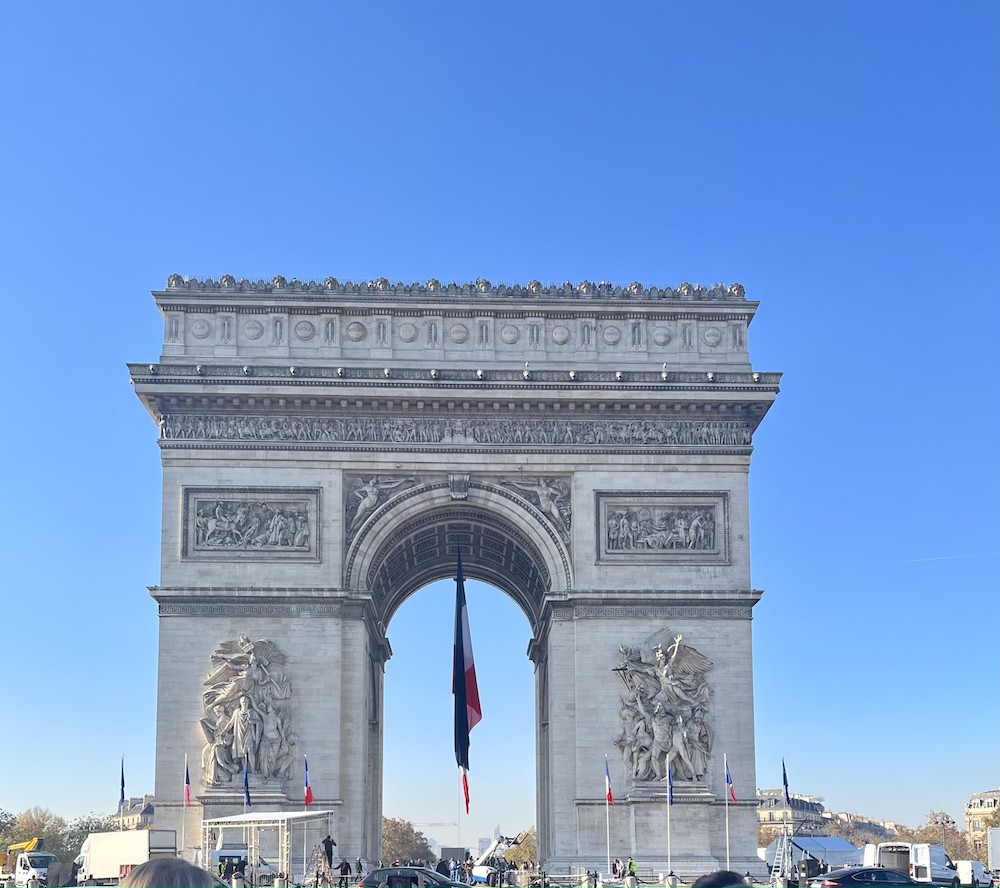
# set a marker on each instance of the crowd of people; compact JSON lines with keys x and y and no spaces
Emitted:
{"x":172,"y":872}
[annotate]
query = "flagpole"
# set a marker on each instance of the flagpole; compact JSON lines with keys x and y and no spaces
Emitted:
{"x":121,"y":800}
{"x":184,"y":808}
{"x":305,"y":826}
{"x":725,"y":765}
{"x":607,"y":819}
{"x":670,"y":804}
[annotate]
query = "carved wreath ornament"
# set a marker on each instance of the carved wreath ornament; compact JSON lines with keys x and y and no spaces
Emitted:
{"x":664,"y":701}
{"x":247,"y":717}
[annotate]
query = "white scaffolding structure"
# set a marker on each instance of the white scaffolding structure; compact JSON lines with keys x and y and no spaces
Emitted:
{"x":287,"y":825}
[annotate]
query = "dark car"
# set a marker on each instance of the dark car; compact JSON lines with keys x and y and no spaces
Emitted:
{"x":860,"y":876}
{"x":407,"y":877}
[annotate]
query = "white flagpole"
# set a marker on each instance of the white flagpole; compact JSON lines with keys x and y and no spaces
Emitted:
{"x":725,"y":777}
{"x":184,"y":806}
{"x":670,"y":868}
{"x":305,"y":832}
{"x":607,"y":819}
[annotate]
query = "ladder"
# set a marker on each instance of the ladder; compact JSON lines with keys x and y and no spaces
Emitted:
{"x":781,"y":852}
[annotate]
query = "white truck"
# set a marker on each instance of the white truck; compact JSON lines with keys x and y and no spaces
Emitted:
{"x":24,"y":863}
{"x":993,"y":850}
{"x":972,"y":872}
{"x":107,"y":856}
{"x":921,"y":861}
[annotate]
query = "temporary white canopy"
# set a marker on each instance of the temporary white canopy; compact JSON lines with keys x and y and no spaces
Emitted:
{"x":283,"y":822}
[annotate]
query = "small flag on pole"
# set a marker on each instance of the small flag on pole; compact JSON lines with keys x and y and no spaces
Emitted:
{"x":607,"y":783}
{"x":729,"y":784}
{"x":246,"y":785}
{"x":187,"y":783}
{"x":309,"y":791}
{"x":670,"y":785}
{"x":121,"y":797}
{"x":468,"y":710}
{"x":784,"y":780}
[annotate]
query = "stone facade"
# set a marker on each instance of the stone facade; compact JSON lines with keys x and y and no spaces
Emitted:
{"x":980,"y":814}
{"x":598,"y":442}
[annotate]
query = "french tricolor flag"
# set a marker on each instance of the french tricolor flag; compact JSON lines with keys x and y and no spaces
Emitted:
{"x":468,"y":710}
{"x":187,"y":782}
{"x":308,"y":789}
{"x":729,"y":784}
{"x":607,"y":783}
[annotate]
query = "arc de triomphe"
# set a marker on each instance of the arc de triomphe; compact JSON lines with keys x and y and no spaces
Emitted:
{"x":327,"y":446}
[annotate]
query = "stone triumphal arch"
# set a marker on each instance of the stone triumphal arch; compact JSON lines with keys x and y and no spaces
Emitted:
{"x":327,"y":447}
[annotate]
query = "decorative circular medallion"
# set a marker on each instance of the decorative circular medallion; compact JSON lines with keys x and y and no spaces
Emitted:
{"x":253,"y":329}
{"x":712,"y":337}
{"x":201,"y":328}
{"x":661,"y":335}
{"x":407,"y":332}
{"x":356,"y":331}
{"x":611,"y":335}
{"x":560,"y":335}
{"x":305,"y":330}
{"x":459,"y":333}
{"x":509,"y":334}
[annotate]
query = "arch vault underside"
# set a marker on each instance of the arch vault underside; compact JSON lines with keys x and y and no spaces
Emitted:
{"x":328,"y":449}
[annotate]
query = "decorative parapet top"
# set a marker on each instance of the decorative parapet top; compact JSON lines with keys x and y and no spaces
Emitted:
{"x":382,"y":287}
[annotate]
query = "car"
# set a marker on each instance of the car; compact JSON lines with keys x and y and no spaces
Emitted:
{"x":860,"y":876}
{"x":407,"y":877}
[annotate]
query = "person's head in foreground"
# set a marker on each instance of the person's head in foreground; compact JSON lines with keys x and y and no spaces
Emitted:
{"x":719,"y":879}
{"x":168,"y":872}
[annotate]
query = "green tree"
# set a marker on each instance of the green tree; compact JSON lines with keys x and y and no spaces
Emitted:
{"x":940,"y":830}
{"x":526,"y":851}
{"x":401,"y":840}
{"x":7,"y":821}
{"x":40,"y":822}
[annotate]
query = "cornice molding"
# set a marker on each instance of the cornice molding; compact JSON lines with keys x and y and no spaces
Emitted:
{"x":382,"y":288}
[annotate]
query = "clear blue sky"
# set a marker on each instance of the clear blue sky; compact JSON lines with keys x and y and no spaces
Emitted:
{"x":838,"y":159}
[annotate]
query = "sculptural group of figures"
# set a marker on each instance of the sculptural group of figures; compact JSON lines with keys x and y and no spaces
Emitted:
{"x":391,"y":430}
{"x":246,"y":713}
{"x":661,"y":529}
{"x":250,"y":525}
{"x":663,"y":712}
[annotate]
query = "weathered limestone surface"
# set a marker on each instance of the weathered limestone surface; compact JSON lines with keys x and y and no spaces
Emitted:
{"x":326,"y":447}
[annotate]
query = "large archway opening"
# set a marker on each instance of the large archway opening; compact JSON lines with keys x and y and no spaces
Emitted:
{"x":404,"y":560}
{"x":420,"y":778}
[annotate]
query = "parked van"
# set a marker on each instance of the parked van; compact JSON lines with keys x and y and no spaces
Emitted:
{"x":972,"y":872}
{"x":921,"y":861}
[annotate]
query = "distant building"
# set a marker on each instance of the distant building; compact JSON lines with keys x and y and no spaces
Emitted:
{"x":484,"y":843}
{"x":860,"y":821}
{"x":980,"y":807}
{"x":805,"y":813}
{"x":136,"y":813}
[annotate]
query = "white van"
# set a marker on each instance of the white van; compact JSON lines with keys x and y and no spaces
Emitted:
{"x":972,"y":872}
{"x":922,"y":862}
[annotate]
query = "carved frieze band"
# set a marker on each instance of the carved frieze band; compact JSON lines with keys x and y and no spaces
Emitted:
{"x":507,"y":432}
{"x":195,"y":609}
{"x":661,"y":527}
{"x":655,"y":611}
{"x":251,"y":523}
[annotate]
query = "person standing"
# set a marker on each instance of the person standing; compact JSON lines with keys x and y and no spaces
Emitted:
{"x":328,"y":845}
{"x":345,"y":871}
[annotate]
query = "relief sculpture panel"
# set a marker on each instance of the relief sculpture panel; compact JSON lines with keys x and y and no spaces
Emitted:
{"x":664,"y":703}
{"x":663,"y":527}
{"x":256,"y":523}
{"x":247,"y":720}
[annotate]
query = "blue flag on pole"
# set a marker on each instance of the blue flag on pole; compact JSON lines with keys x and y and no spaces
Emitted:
{"x":784,"y":780}
{"x":246,"y":784}
{"x":670,"y":785}
{"x":121,"y":797}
